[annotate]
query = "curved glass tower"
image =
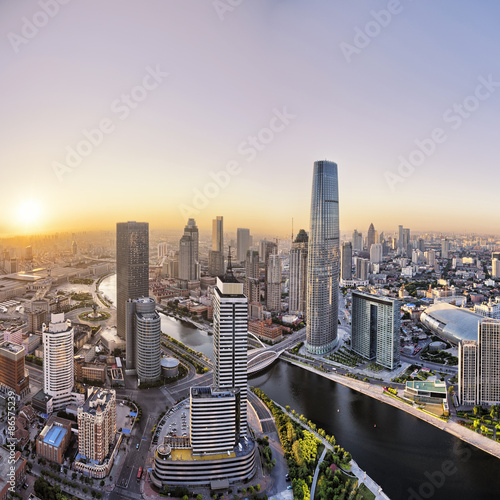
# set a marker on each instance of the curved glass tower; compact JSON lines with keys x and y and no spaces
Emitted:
{"x":323,"y":260}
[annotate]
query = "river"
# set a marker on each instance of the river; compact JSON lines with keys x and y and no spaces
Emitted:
{"x":400,"y":452}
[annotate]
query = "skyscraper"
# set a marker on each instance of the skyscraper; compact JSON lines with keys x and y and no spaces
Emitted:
{"x":58,"y":362}
{"x":376,"y":328}
{"x":243,"y":243}
{"x":216,"y":254}
{"x":273,"y":298}
{"x":445,"y":249}
{"x":143,"y":339}
{"x":268,"y":248}
{"x":323,"y":260}
{"x":13,"y":374}
{"x":188,"y":252}
{"x":346,"y":260}
{"x":230,"y":340}
{"x":252,"y":284}
{"x":376,"y":253}
{"x":371,"y":238}
{"x":132,"y":267}
{"x":298,"y":274}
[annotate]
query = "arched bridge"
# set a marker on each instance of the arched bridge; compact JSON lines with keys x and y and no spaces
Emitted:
{"x":261,"y":358}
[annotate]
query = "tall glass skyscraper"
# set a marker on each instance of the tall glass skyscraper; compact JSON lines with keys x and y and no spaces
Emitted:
{"x":323,"y":260}
{"x":132,"y":267}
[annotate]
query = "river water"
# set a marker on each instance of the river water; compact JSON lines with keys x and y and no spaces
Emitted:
{"x":407,"y":457}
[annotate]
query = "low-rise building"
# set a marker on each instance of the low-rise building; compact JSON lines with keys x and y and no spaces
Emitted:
{"x":8,"y":464}
{"x":54,"y":439}
{"x":266,"y":330}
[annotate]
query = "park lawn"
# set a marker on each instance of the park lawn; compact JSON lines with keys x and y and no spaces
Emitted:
{"x":364,"y":493}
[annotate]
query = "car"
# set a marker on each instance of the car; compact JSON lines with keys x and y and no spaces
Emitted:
{"x":137,"y":446}
{"x":289,"y":487}
{"x":25,"y":486}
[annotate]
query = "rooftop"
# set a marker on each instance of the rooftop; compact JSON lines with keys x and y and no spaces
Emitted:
{"x":11,"y":347}
{"x":427,"y":386}
{"x":55,"y":435}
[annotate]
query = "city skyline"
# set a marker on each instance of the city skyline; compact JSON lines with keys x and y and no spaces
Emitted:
{"x":285,"y":106}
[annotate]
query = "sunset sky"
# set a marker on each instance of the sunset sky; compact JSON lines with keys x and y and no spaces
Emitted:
{"x":179,"y":89}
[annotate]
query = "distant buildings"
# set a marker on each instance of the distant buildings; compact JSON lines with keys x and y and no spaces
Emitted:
{"x":362,"y":269}
{"x":323,"y":265}
{"x":143,"y":339}
{"x":376,"y":328}
{"x":13,"y":374}
{"x":495,"y":268}
{"x":298,"y":274}
{"x":132,"y":267}
{"x":346,"y":261}
{"x":243,"y":243}
{"x":479,"y":366}
{"x":273,"y":298}
{"x":58,"y":362}
{"x":188,"y":252}
{"x":96,"y":430}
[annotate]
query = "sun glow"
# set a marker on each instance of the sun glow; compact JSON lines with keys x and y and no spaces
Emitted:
{"x":29,"y":212}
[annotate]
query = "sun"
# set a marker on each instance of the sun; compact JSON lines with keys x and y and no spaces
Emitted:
{"x":29,"y":212}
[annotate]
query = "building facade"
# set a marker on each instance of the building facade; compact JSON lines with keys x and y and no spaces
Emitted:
{"x":132,"y":267}
{"x":323,"y":260}
{"x":242,"y":243}
{"x":376,"y":328}
{"x":346,"y":260}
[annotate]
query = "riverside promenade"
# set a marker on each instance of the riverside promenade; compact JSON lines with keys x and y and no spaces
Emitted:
{"x":376,"y":392}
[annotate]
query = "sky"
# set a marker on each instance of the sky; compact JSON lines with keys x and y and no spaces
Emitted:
{"x":159,"y":110}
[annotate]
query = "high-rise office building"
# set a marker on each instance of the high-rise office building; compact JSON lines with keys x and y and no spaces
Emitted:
{"x":74,"y":248}
{"x":230,"y":340}
{"x":143,"y":339}
{"x":376,"y":328}
{"x":357,"y":241}
{"x":162,"y":249}
{"x":97,"y":425}
{"x":371,"y":237}
{"x":479,"y":366}
{"x":430,"y":257}
{"x":243,"y":243}
{"x":216,"y":254}
{"x":273,"y":297}
{"x":323,"y":260}
{"x":58,"y":361}
{"x":376,"y":253}
{"x":298,"y":274}
{"x":346,"y":260}
{"x":188,"y":252}
{"x":132,"y":267}
{"x":268,"y":248}
{"x":362,"y":269}
{"x":13,"y":374}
